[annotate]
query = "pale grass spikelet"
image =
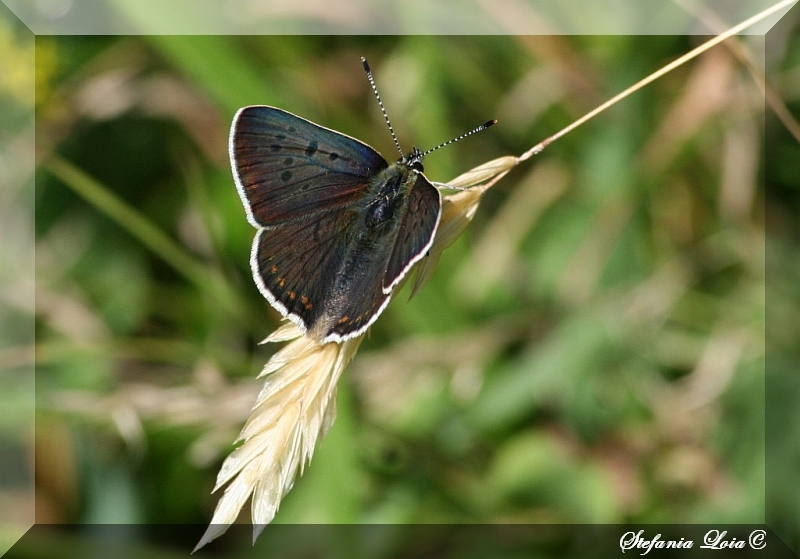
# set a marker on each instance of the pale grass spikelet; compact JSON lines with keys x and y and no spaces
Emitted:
{"x":297,"y":405}
{"x":295,"y":408}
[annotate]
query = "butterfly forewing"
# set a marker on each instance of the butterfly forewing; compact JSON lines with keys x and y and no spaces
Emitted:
{"x":416,"y":231}
{"x":287,"y":167}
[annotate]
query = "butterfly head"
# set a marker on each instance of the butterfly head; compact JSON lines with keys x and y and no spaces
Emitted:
{"x":413,"y":159}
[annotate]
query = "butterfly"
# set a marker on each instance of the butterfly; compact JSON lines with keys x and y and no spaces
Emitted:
{"x":338,"y":226}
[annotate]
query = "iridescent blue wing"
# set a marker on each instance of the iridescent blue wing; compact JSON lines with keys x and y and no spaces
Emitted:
{"x":287,"y":167}
{"x":416,"y":232}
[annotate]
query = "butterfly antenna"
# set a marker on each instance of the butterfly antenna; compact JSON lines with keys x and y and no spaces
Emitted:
{"x":483,"y":126}
{"x":380,"y":103}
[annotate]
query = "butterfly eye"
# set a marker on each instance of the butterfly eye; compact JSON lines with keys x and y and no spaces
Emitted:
{"x":417,"y":166}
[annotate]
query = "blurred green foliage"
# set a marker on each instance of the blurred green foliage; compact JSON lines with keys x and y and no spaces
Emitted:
{"x":590,"y":351}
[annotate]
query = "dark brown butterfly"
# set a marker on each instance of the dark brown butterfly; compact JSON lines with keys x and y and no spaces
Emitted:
{"x":338,"y":226}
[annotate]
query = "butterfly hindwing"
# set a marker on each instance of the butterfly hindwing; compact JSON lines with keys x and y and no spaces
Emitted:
{"x":287,"y":167}
{"x":295,"y":263}
{"x":362,"y":302}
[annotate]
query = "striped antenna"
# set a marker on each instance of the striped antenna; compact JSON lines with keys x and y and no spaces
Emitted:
{"x":378,"y":97}
{"x":483,"y":126}
{"x":416,"y":155}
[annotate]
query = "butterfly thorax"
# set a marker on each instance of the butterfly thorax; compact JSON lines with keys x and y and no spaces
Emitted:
{"x":390,"y":188}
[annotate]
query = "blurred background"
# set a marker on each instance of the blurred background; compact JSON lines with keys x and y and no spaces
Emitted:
{"x":591,"y":351}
